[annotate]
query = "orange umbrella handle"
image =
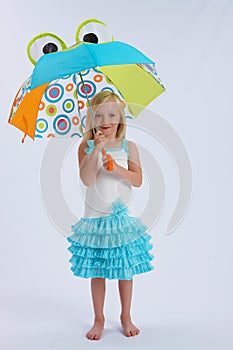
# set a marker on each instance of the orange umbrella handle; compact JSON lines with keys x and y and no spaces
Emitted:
{"x":110,"y":161}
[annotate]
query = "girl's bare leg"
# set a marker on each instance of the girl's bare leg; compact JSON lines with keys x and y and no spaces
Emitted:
{"x":98,"y":294}
{"x":125,"y":290}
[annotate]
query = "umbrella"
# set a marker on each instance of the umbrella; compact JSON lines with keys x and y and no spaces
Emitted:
{"x":51,"y":100}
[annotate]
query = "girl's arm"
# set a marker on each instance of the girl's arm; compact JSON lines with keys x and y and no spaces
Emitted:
{"x":88,"y":163}
{"x":134,"y":172}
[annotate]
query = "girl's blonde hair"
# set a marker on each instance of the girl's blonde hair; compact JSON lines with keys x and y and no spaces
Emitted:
{"x":98,"y":99}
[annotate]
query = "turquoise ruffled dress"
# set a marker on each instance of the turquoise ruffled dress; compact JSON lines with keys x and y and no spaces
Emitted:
{"x":107,"y":242}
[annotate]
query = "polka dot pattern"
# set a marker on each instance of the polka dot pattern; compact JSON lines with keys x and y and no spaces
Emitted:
{"x":62,"y":124}
{"x":62,"y":109}
{"x":54,"y":93}
{"x":86,"y":90}
{"x":41,"y":125}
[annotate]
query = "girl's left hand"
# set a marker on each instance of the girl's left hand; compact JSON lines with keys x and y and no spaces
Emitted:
{"x":105,"y":163}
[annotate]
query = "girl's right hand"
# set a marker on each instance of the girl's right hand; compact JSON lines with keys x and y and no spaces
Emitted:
{"x":99,"y":139}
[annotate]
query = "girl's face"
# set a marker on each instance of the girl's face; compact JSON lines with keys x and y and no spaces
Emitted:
{"x":107,"y":116}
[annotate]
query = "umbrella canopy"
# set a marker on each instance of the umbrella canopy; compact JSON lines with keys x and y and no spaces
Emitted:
{"x":50,"y":101}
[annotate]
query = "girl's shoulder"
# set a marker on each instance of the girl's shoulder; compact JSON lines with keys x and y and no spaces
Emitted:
{"x":132,"y":149}
{"x":87,"y":145}
{"x":82,"y":144}
{"x":131,"y":144}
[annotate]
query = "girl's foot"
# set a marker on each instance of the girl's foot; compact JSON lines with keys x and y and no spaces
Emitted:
{"x":129,"y":328}
{"x":96,"y":331}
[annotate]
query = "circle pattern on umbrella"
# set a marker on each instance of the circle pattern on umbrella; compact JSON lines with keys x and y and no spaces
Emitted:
{"x":54,"y":93}
{"x":62,"y":124}
{"x":62,"y":108}
{"x":86,"y":90}
{"x":41,"y":125}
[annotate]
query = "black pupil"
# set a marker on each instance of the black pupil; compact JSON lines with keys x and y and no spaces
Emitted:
{"x":90,"y":38}
{"x":50,"y":47}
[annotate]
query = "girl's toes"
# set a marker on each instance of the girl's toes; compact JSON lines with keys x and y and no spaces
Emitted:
{"x":90,"y":336}
{"x":135,"y":332}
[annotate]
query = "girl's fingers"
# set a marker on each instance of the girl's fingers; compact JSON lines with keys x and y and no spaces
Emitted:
{"x":105,"y":159}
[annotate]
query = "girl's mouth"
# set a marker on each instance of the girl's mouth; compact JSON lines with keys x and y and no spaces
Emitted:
{"x":105,"y":127}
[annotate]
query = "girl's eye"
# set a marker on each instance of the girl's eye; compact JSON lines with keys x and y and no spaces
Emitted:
{"x":111,"y":115}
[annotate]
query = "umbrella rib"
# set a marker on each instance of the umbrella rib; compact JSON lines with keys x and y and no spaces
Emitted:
{"x":88,"y":101}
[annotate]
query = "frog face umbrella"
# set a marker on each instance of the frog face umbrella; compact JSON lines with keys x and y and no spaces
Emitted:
{"x":49,"y":103}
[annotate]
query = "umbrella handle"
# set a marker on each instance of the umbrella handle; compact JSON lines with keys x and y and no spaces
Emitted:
{"x":104,"y":153}
{"x":110,"y":161}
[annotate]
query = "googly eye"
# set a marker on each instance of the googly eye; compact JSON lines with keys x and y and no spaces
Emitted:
{"x":93,"y":31}
{"x":43,"y":44}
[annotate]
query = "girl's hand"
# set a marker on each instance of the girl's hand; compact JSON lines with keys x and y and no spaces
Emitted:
{"x":99,"y":139}
{"x":105,"y":163}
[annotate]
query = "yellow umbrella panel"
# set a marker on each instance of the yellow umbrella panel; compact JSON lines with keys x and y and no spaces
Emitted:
{"x":137,"y":86}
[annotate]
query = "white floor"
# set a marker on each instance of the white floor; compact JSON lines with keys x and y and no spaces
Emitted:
{"x":42,"y":317}
{"x":33,"y":323}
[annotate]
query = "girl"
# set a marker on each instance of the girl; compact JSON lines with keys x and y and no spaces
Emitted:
{"x":107,"y":242}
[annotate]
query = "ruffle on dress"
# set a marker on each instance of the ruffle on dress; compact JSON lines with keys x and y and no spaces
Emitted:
{"x":115,"y":246}
{"x":90,"y":147}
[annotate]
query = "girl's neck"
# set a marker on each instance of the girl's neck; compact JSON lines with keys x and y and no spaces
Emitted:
{"x":111,"y":138}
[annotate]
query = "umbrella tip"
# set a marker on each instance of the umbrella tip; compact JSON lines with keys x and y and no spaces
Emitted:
{"x":24,"y":138}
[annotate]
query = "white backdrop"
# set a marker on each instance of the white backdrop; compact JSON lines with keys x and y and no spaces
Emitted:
{"x":186,"y":302}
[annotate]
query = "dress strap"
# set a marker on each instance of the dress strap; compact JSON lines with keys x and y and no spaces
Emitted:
{"x":91,"y":146}
{"x":124,"y":145}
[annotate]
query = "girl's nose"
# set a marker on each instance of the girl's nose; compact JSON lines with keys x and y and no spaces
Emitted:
{"x":106,"y":119}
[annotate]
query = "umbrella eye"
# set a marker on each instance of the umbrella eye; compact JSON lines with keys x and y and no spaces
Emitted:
{"x":90,"y":38}
{"x":42,"y":44}
{"x":93,"y":31}
{"x":49,"y":48}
